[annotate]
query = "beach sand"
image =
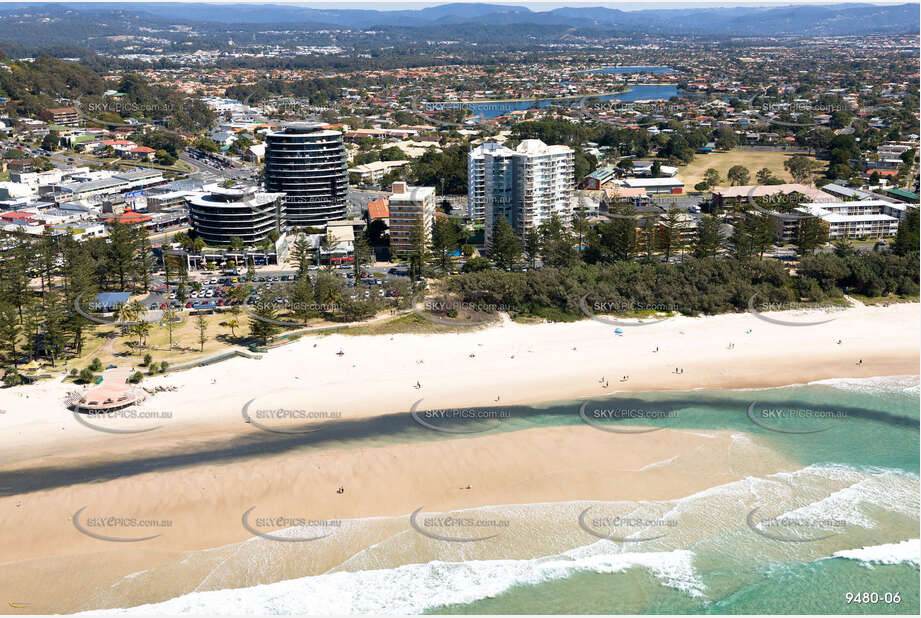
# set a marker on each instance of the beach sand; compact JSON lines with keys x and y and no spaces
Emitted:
{"x":48,"y":562}
{"x":506,"y":364}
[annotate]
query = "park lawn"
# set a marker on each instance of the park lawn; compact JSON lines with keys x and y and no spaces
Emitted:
{"x":754,"y":160}
{"x":186,"y":347}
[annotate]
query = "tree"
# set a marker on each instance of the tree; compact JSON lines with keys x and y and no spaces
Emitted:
{"x":259,"y":326}
{"x":764,"y":175}
{"x":711,"y":177}
{"x":302,"y":299}
{"x":617,"y":237}
{"x":670,"y":232}
{"x":557,"y":244}
{"x":726,"y":138}
{"x":800,"y":167}
{"x":202,"y":325}
{"x":532,"y":246}
{"x":361,"y":252}
{"x":302,"y":254}
{"x":144,"y":262}
{"x":906,"y":238}
{"x":761,"y":230}
{"x":476,"y":264}
{"x":16,"y":274}
{"x":811,"y":234}
{"x":10,"y":331}
{"x":51,"y":142}
{"x":53,"y":314}
{"x":418,"y":252}
{"x":122,"y":246}
{"x":738,"y":175}
{"x":445,"y":237}
{"x":708,"y":237}
{"x":169,"y":316}
{"x":505,"y":247}
{"x":233,"y":324}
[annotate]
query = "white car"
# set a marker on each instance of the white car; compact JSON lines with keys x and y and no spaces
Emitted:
{"x":193,"y":295}
{"x":213,"y":281}
{"x":209,"y":293}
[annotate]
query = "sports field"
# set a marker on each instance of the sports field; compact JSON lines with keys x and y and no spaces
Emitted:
{"x":754,"y":160}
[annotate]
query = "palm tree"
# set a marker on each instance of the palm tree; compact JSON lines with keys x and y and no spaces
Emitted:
{"x":232,"y":324}
{"x":123,"y":312}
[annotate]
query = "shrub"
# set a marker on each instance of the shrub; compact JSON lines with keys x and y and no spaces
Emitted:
{"x":147,"y":360}
{"x":95,"y":365}
{"x":86,"y":375}
{"x":12,"y":378}
{"x":164,"y":366}
{"x":136,"y":377}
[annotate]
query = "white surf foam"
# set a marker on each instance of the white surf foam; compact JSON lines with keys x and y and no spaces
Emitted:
{"x":414,"y":588}
{"x":890,"y":553}
{"x":887,"y":384}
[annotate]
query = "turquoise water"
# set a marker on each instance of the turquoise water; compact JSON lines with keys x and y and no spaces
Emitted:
{"x":875,"y":430}
{"x":813,"y":588}
{"x":858,"y":468}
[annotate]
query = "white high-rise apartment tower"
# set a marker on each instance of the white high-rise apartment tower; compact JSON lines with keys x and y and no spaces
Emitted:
{"x":527,"y":185}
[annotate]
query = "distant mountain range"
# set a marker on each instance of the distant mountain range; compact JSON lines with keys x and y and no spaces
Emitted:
{"x":810,"y":20}
{"x":67,"y":29}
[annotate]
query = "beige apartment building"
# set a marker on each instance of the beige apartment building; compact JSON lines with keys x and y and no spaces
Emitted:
{"x":407,"y":205}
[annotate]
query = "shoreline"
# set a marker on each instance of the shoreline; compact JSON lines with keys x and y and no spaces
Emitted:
{"x":384,"y":485}
{"x":503,"y":364}
{"x":386,"y":471}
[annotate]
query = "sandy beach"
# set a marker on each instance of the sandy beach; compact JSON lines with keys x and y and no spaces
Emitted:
{"x":204,"y":505}
{"x":506,"y":364}
{"x":204,"y":500}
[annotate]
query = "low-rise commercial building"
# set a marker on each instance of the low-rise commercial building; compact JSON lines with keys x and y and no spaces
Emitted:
{"x":371,"y":173}
{"x":655,"y":185}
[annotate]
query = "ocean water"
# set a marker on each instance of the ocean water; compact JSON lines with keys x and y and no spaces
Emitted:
{"x":845,"y":521}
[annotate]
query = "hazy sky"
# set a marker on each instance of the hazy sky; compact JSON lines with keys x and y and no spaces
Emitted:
{"x":538,"y":5}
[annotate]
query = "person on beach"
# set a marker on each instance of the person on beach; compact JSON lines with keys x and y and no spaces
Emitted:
{"x":418,"y":385}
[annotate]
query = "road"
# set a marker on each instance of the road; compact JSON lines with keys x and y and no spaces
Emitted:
{"x":209,"y":172}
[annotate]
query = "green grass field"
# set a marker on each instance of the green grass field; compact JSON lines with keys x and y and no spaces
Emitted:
{"x":754,"y":160}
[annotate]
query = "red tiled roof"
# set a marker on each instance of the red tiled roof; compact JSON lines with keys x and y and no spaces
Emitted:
{"x":378,"y":209}
{"x":130,"y":217}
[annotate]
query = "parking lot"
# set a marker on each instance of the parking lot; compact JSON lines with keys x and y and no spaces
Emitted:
{"x":215,"y":292}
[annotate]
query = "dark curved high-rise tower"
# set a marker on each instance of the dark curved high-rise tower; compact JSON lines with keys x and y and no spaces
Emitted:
{"x":309,"y":164}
